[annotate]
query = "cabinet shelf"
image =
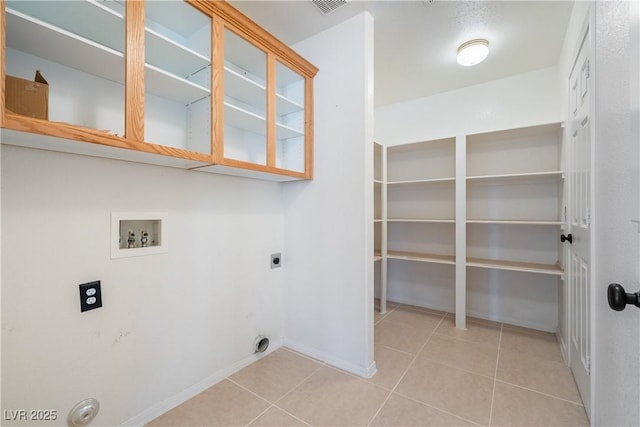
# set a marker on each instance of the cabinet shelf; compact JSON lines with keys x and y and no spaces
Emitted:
{"x":422,"y":257}
{"x":287,"y":132}
{"x":553,"y":269}
{"x":252,"y":92}
{"x":41,"y":39}
{"x":104,"y":24}
{"x":243,"y":119}
{"x":245,"y":89}
{"x":286,"y":106}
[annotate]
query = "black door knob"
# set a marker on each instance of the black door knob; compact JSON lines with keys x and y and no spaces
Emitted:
{"x":618,"y":298}
{"x":567,"y":238}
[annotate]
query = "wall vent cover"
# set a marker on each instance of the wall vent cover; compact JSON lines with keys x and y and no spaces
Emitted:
{"x":328,"y":6}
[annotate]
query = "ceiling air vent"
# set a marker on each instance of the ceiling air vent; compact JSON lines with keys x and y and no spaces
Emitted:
{"x":328,"y":6}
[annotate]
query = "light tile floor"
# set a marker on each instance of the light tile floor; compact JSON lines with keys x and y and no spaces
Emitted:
{"x":429,"y":374}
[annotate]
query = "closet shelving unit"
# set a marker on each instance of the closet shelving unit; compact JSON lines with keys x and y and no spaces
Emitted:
{"x":490,"y":200}
{"x":379,"y":220}
{"x":514,"y":198}
{"x":420,"y":203}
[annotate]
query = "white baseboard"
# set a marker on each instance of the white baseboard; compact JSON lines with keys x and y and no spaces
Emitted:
{"x":509,"y":321}
{"x":155,"y":411}
{"x":366,"y":372}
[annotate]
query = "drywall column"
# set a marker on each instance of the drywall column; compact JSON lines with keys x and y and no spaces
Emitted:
{"x":461,"y":231}
{"x":328,"y":253}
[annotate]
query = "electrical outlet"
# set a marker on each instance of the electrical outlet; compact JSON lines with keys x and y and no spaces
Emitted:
{"x":276,"y":260}
{"x":90,"y":296}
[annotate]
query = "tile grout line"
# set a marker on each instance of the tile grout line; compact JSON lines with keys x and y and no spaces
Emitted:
{"x":250,"y":391}
{"x":457,"y":367}
{"x":398,"y":350}
{"x":388,"y":312}
{"x":256,"y":395}
{"x":495,"y":377}
{"x":405,"y":371}
{"x":541,"y":393}
{"x":259,"y":415}
{"x":291,"y":415}
{"x":322,"y":364}
{"x":273,"y":404}
{"x":437,"y":409}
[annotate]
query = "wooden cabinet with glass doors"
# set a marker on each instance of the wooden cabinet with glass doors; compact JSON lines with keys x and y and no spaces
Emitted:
{"x":190,"y":84}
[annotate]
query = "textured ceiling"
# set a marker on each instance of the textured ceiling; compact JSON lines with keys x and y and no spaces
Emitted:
{"x":415,"y":41}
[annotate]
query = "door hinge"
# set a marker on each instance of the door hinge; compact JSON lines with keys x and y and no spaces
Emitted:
{"x":588,"y":216}
{"x":588,"y":365}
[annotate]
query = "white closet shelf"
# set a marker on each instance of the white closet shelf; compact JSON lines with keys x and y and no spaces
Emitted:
{"x":528,"y":267}
{"x":38,"y":38}
{"x":422,"y":257}
{"x":377,"y":220}
{"x":433,"y":220}
{"x":514,"y":221}
{"x":422,"y":181}
{"x":377,"y":181}
{"x":555,"y":176}
{"x":377,"y":256}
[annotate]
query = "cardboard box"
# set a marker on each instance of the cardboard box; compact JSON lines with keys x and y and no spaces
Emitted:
{"x":26,"y":97}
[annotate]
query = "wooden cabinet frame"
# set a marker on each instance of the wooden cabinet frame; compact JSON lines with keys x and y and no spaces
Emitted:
{"x":222,"y":15}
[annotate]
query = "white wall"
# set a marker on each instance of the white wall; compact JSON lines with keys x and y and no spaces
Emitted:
{"x":529,"y":300}
{"x":171,"y":324}
{"x":521,"y":100}
{"x":328,"y":257}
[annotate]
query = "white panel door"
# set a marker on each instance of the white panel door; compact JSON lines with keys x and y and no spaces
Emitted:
{"x":579,"y":222}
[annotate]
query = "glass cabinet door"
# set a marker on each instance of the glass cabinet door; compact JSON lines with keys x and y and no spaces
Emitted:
{"x":177,"y":76}
{"x":245,"y":100}
{"x":78,"y":47}
{"x":290,"y":119}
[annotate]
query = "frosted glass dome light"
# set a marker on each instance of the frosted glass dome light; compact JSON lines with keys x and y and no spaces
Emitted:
{"x":473,"y":52}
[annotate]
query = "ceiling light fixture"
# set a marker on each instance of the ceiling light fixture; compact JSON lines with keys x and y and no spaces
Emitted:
{"x":473,"y":52}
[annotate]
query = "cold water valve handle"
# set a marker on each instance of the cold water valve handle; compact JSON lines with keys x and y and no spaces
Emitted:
{"x":618,"y":298}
